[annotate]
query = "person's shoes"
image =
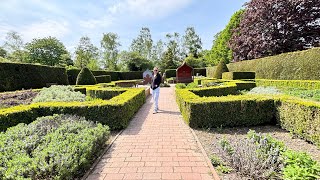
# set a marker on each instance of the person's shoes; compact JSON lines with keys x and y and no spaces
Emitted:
{"x":154,"y":112}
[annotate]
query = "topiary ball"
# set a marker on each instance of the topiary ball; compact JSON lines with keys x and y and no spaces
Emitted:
{"x":85,"y":77}
{"x":221,"y":68}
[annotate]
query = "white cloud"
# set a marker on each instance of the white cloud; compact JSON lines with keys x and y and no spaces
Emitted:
{"x":147,"y":9}
{"x":46,"y":28}
{"x":97,"y":23}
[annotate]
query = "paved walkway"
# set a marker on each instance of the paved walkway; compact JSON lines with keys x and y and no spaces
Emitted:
{"x":155,"y":146}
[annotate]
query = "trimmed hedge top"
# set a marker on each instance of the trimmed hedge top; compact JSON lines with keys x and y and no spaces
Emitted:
{"x":17,"y":76}
{"x":85,"y":77}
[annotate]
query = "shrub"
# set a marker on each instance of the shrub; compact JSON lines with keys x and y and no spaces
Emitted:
{"x":85,"y":77}
{"x":181,"y":86}
{"x":192,"y":85}
{"x":131,"y":75}
{"x":103,"y":93}
{"x":210,"y":71}
{"x":52,"y":147}
{"x":238,"y":75}
{"x":223,"y":90}
{"x":17,"y":76}
{"x":103,"y":79}
{"x":170,"y":73}
{"x":304,"y":93}
{"x":221,"y":68}
{"x":125,"y":105}
{"x":59,"y":94}
{"x":72,"y":75}
{"x":299,"y":65}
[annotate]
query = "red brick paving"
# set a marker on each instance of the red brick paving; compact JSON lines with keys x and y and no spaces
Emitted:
{"x":155,"y":146}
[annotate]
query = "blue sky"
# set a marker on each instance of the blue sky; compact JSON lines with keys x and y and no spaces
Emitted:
{"x":68,"y":20}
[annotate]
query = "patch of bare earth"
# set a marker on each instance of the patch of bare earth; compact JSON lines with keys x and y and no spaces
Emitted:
{"x":210,"y":141}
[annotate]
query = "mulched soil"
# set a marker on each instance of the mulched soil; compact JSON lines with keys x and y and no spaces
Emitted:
{"x":209,"y":139}
{"x":16,"y":98}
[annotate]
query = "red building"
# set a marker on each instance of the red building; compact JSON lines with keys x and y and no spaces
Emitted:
{"x":184,"y":73}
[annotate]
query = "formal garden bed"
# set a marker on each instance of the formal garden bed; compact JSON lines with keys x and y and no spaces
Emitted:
{"x":223,"y":111}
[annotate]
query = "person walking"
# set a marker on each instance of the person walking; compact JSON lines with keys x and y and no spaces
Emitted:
{"x":155,"y":86}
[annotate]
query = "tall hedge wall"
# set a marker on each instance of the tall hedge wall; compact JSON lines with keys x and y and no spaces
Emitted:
{"x":115,"y":75}
{"x":300,"y":65}
{"x":170,"y":73}
{"x":17,"y":76}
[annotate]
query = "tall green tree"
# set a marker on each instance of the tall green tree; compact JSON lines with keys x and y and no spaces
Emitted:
{"x":143,"y":43}
{"x":271,"y":27}
{"x":110,"y":44}
{"x":46,"y":51}
{"x":168,"y":60}
{"x":134,"y":61}
{"x":174,"y":44}
{"x":192,"y":42}
{"x":220,"y":50}
{"x":86,"y":52}
{"x":3,"y":52}
{"x":158,"y":52}
{"x":15,"y":47}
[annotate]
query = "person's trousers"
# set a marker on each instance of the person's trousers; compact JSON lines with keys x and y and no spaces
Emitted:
{"x":155,"y":97}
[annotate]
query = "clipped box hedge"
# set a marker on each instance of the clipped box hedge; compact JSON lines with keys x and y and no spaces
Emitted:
{"x":170,"y":73}
{"x":299,"y":116}
{"x":223,"y":90}
{"x":103,"y":78}
{"x":17,"y":76}
{"x":305,"y":84}
{"x":298,"y":65}
{"x":210,"y":71}
{"x":131,"y":75}
{"x":115,"y":112}
{"x":238,"y":75}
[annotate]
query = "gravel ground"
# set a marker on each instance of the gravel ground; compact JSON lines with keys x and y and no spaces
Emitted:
{"x":210,"y":138}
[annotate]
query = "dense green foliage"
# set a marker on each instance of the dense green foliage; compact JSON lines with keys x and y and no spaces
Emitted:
{"x":221,"y":68}
{"x":52,"y":147}
{"x":16,"y":76}
{"x":86,"y":54}
{"x":192,"y":42}
{"x":220,"y":50}
{"x":104,"y":94}
{"x":238,"y":75}
{"x":110,"y":44}
{"x":46,"y":51}
{"x":304,"y":84}
{"x":312,"y":94}
{"x":303,"y":65}
{"x":170,"y":73}
{"x":103,"y":78}
{"x":103,"y":111}
{"x":270,"y":27}
{"x":59,"y":94}
{"x":85,"y":77}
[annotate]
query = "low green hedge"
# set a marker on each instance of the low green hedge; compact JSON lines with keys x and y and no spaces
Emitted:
{"x":115,"y":112}
{"x":170,"y":73}
{"x":201,"y":71}
{"x":104,"y":93}
{"x":216,"y":90}
{"x":51,"y":147}
{"x":305,"y":84}
{"x":238,"y":75}
{"x":299,"y":116}
{"x":17,"y":76}
{"x":103,"y":79}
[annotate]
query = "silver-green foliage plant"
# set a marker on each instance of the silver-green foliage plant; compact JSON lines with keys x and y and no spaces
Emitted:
{"x":265,"y":90}
{"x":59,"y":94}
{"x":51,"y":147}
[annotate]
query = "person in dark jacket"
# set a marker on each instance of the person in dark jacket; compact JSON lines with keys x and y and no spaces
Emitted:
{"x":155,"y":86}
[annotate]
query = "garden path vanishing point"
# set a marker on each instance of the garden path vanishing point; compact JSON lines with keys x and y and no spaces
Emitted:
{"x":156,"y":146}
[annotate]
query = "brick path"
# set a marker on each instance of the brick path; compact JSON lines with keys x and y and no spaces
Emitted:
{"x":155,"y":146}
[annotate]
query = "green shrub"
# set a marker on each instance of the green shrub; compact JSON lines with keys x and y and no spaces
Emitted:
{"x":170,"y":73}
{"x":299,"y":65}
{"x":104,"y":93}
{"x":103,"y":79}
{"x":85,"y":77}
{"x":17,"y":76}
{"x":181,"y":86}
{"x":313,"y":94}
{"x":305,"y":84}
{"x":114,"y":75}
{"x":201,"y":71}
{"x":59,"y":94}
{"x":238,"y":75}
{"x":52,"y":147}
{"x":116,"y":112}
{"x":131,"y":75}
{"x":72,"y":75}
{"x":210,"y":71}
{"x":192,"y":85}
{"x":221,"y":68}
{"x":216,"y":91}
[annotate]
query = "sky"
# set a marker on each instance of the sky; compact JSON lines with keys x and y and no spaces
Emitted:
{"x":69,"y":20}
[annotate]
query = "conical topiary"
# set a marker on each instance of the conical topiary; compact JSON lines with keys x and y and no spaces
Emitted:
{"x":221,"y":68}
{"x":85,"y":77}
